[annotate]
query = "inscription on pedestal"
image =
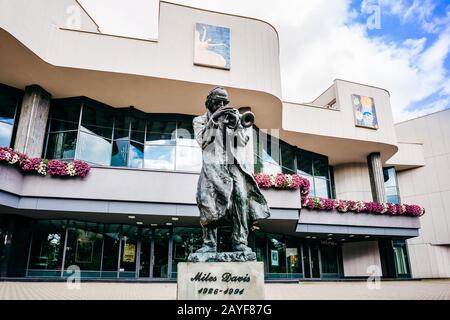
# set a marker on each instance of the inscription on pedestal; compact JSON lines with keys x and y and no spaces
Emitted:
{"x":220,"y":281}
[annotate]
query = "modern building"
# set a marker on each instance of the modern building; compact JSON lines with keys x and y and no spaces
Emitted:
{"x":125,"y":106}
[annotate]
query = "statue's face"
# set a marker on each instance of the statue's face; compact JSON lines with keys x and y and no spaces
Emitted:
{"x":218,"y":99}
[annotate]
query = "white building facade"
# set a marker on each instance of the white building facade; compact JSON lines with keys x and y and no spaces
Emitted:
{"x":125,"y":106}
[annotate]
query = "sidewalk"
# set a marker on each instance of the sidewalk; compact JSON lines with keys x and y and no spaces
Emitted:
{"x":423,"y":289}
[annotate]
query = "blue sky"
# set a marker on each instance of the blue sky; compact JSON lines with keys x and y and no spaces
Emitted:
{"x":321,"y":40}
{"x":410,"y":19}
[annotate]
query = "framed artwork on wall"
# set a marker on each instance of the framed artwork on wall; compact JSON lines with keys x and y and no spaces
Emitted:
{"x":364,"y":110}
{"x":212,"y":46}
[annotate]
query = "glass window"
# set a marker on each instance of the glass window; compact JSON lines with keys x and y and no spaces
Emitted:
{"x":137,"y":130}
{"x":121,"y":137}
{"x":61,"y":145}
{"x":84,"y":247}
{"x":391,"y":185}
{"x":128,"y":251}
{"x":111,"y":250}
{"x":293,"y":253}
{"x":9,"y":111}
{"x":185,"y":242}
{"x":329,"y":258}
{"x":277,"y":253}
{"x":93,"y":148}
{"x":261,"y":247}
{"x":47,"y":248}
{"x":268,"y":154}
{"x":97,"y":121}
{"x":161,"y":132}
{"x":136,"y":155}
{"x":287,"y":153}
{"x":401,"y":258}
{"x":64,"y":115}
{"x":159,"y":157}
{"x":304,"y":163}
{"x":161,"y":253}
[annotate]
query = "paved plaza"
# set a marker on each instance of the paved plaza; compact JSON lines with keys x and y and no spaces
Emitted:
{"x":346,"y":290}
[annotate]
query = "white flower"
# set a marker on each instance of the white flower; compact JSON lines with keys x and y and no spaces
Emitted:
{"x":71,"y":169}
{"x":42,"y":168}
{"x":14,"y":158}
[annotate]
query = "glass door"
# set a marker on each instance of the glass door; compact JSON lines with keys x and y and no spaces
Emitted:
{"x":154,"y":253}
{"x":311,"y":261}
{"x":160,"y":253}
{"x":145,"y":249}
{"x":128,"y":252}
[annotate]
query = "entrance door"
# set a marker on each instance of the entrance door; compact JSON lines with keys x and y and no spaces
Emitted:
{"x":154,"y":253}
{"x":311,"y":261}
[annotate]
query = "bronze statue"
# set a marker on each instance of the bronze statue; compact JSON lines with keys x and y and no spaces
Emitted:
{"x":226,"y":191}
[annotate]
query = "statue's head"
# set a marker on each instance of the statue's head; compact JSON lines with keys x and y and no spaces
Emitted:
{"x":216,"y":98}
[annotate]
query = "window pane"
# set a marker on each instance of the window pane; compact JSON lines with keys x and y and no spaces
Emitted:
{"x":6,"y":131}
{"x":136,"y":156}
{"x":393,"y":199}
{"x":321,"y":187}
{"x":390,"y":185}
{"x":185,"y":242}
{"x":119,"y":157}
{"x":84,"y":246}
{"x":389,"y":177}
{"x":287,"y":158}
{"x":159,"y":157}
{"x":94,"y":149}
{"x":304,"y":162}
{"x":137,"y":130}
{"x":47,"y":247}
{"x":61,"y":145}
{"x":111,"y":250}
{"x":329,"y":258}
{"x":129,"y":251}
{"x":7,"y":112}
{"x":97,"y":121}
{"x":64,"y":116}
{"x":320,"y":165}
{"x":161,"y":132}
{"x":189,"y":158}
{"x":277,"y":253}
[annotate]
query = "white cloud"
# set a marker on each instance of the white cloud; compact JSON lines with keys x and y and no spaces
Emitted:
{"x":320,"y":41}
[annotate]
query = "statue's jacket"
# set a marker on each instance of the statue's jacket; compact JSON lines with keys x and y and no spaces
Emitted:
{"x":215,"y":185}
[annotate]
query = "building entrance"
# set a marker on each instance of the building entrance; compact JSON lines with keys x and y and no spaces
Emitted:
{"x":154,"y":253}
{"x":311,"y":261}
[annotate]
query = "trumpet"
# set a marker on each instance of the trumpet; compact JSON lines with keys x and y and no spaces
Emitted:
{"x":233,"y":117}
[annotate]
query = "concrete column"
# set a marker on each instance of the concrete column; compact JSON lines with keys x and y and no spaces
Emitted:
{"x":33,"y":121}
{"x":376,"y":177}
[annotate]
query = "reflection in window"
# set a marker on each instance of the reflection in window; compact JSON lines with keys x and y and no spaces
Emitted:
{"x":63,"y":130}
{"x":10,"y":100}
{"x":81,"y":128}
{"x":84,"y":246}
{"x":47,"y":248}
{"x":274,"y":156}
{"x":391,"y":185}
{"x":93,"y":148}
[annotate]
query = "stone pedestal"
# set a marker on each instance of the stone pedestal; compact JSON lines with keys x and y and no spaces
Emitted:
{"x":220,"y":281}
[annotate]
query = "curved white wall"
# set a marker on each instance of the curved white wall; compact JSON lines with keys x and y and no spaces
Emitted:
{"x":254,"y":45}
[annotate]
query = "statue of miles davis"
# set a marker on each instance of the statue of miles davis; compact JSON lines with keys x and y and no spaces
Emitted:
{"x":226,"y":192}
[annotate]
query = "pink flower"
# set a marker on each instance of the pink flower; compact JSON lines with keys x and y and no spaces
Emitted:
{"x":57,"y":168}
{"x":281,"y":181}
{"x":30,"y":164}
{"x":81,"y":168}
{"x":263,"y":180}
